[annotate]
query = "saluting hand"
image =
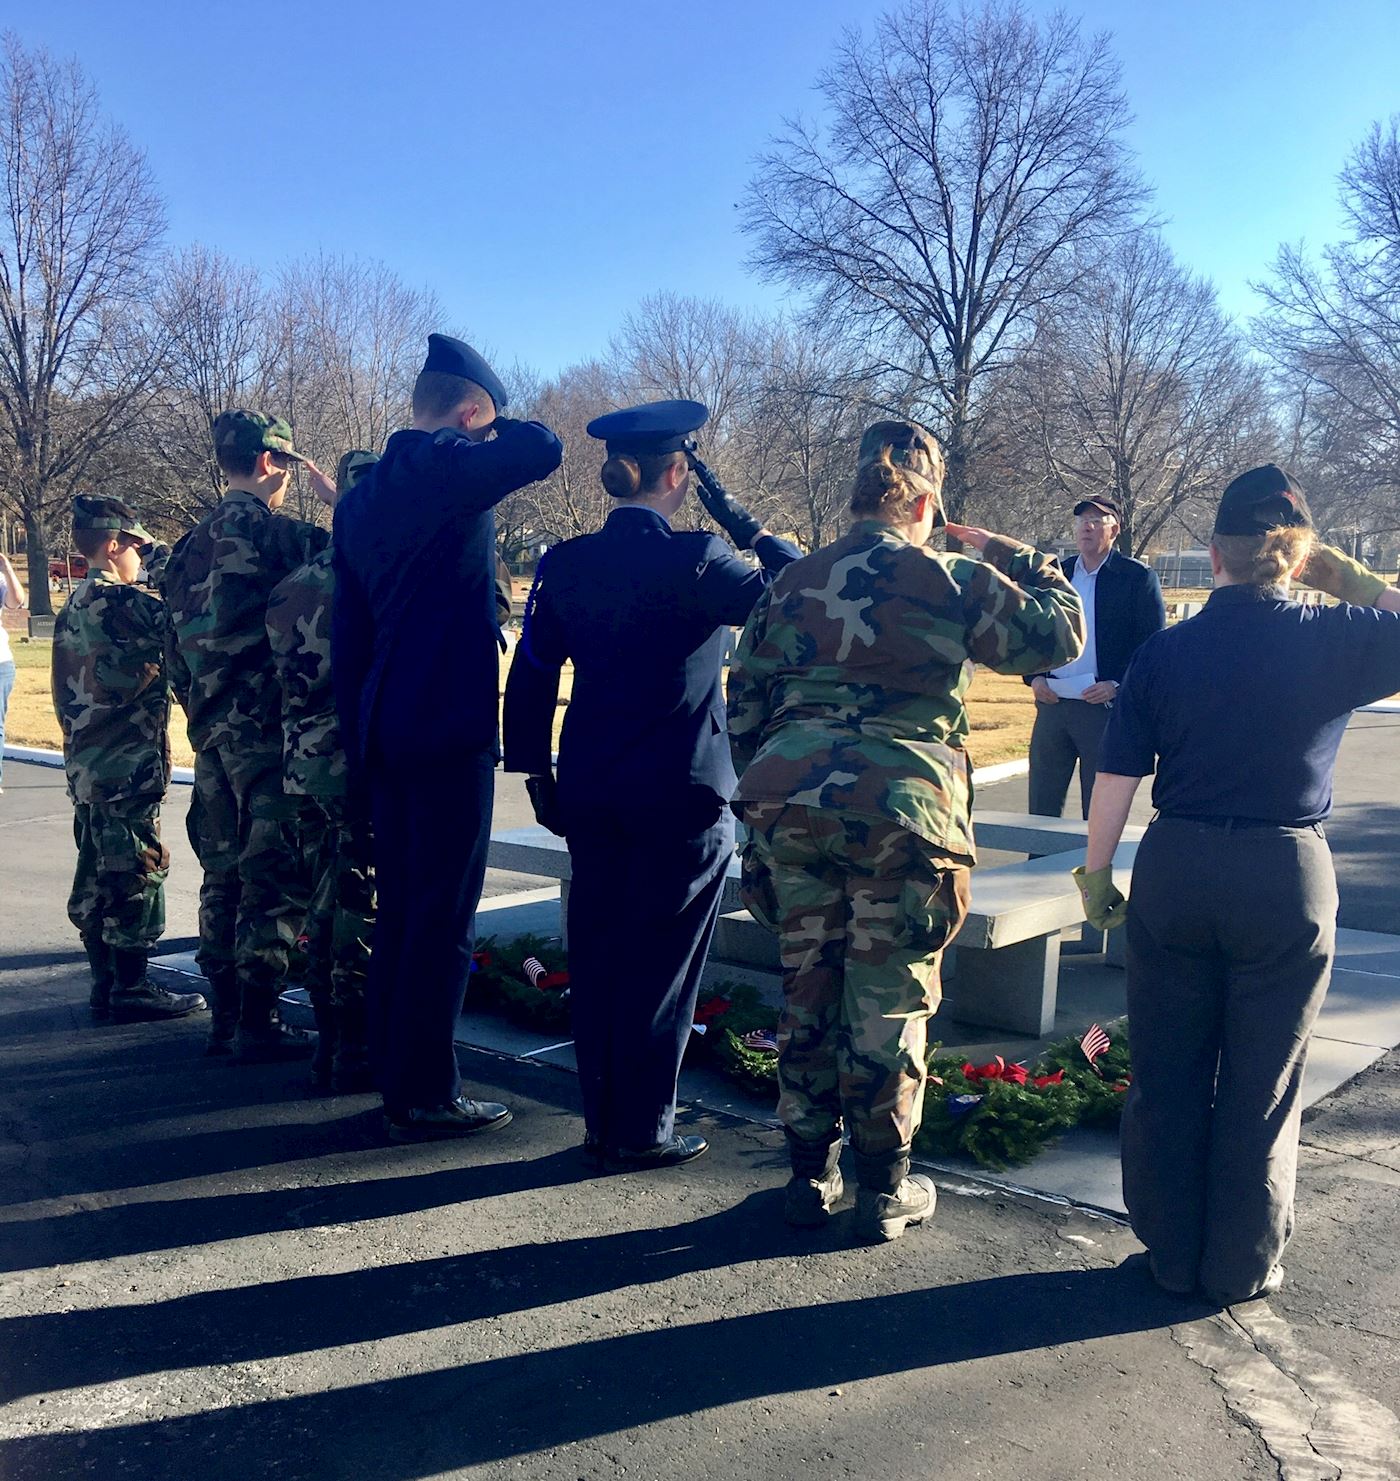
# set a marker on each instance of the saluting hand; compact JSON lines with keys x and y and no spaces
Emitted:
{"x":323,"y":486}
{"x":970,"y":535}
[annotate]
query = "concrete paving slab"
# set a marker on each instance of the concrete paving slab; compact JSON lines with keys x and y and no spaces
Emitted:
{"x":1361,"y":1008}
{"x":1369,"y":951}
{"x":1331,"y":1063}
{"x":1082,"y":1168}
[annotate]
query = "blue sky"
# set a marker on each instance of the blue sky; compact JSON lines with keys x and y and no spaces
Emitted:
{"x":543,"y":165}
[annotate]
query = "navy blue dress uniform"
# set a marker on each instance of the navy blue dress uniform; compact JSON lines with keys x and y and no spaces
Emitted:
{"x":644,"y":776}
{"x":415,"y":663}
{"x":1232,"y":919}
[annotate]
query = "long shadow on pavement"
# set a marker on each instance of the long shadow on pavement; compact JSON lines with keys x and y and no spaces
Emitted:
{"x":179,"y":1223}
{"x":474,"y":1413}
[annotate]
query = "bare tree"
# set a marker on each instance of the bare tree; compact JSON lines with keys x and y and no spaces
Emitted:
{"x":80,"y":224}
{"x":1332,"y":329}
{"x":801,"y":430}
{"x":966,"y":153}
{"x":699,"y":349}
{"x":1137,"y":385}
{"x":214,"y":314}
{"x":572,"y":501}
{"x":364,"y":330}
{"x":695,"y":349}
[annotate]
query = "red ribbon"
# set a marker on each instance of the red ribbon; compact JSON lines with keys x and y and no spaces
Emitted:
{"x":1011,"y":1074}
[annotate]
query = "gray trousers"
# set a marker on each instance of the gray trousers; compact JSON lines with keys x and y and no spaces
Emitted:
{"x":1231,"y":934}
{"x":1064,"y":733}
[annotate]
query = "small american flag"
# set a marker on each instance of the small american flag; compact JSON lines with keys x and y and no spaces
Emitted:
{"x":1094,"y":1043}
{"x":763,"y":1039}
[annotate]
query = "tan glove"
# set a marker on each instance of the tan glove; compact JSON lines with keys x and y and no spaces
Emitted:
{"x":1104,"y":905}
{"x":1329,"y":571}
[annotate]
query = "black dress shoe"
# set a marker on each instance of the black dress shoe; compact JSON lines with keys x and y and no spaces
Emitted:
{"x":460,"y":1117}
{"x":592,"y":1150}
{"x":669,"y":1154}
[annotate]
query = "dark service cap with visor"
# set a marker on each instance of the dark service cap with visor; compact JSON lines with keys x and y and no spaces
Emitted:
{"x":1104,"y":503}
{"x":650,"y":430}
{"x":450,"y":356}
{"x":1259,"y":501}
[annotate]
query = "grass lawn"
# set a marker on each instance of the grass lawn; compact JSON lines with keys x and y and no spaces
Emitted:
{"x":1000,"y":708}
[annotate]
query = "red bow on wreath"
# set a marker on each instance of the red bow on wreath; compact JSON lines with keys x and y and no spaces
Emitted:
{"x":1012,"y":1074}
{"x":996,"y":1069}
{"x":711,"y":1009}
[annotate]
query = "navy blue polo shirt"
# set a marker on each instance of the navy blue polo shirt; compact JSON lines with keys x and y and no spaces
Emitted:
{"x":1241,"y":709}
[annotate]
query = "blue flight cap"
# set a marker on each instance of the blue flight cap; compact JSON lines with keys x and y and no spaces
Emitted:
{"x":455,"y":357}
{"x":646,"y":431}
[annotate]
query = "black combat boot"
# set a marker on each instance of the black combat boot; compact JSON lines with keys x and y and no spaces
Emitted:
{"x":224,"y":1003}
{"x":256,"y":1044}
{"x":327,"y":1034}
{"x":135,"y":996}
{"x":104,"y":976}
{"x":350,"y":1071}
{"x":890,"y":1197}
{"x":260,"y":1039}
{"x":815,"y":1186}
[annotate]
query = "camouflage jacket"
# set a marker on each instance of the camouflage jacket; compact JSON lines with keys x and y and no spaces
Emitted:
{"x":110,"y":693}
{"x":846,"y":690}
{"x":299,"y":630}
{"x":216,"y":586}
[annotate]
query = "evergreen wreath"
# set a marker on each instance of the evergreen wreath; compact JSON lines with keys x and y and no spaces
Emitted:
{"x":1000,"y":1115}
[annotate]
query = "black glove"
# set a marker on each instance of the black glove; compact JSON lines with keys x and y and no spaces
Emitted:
{"x":726,"y":511}
{"x":544,"y":799}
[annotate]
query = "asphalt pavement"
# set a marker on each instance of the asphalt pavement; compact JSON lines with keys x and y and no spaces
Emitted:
{"x":208,"y":1273}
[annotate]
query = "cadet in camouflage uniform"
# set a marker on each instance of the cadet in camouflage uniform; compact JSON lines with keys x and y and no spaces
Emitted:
{"x":847,"y":724}
{"x":340,"y":925}
{"x":216,"y":585}
{"x":113,"y":705}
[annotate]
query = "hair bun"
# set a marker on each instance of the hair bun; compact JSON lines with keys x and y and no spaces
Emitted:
{"x":622,"y":476}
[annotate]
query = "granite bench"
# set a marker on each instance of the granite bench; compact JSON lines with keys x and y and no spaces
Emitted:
{"x":1004,"y":970}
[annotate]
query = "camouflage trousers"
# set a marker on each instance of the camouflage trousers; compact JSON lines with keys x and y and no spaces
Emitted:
{"x":256,"y":889}
{"x":340,"y":922}
{"x":118,"y":891}
{"x":863,"y":909}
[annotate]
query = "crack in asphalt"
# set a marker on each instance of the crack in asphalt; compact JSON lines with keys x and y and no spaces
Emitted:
{"x":1313,"y":1423}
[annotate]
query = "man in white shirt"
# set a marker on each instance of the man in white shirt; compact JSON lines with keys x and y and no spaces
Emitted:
{"x":1122,"y":606}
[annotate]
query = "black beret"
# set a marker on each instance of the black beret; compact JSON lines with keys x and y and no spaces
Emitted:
{"x":455,"y":357}
{"x":657,"y":427}
{"x":1105,"y":503}
{"x":1259,"y":501}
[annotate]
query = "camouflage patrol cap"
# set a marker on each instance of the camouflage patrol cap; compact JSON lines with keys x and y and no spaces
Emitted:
{"x":910,"y":447}
{"x":101,"y":512}
{"x":245,"y":434}
{"x":352,"y":467}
